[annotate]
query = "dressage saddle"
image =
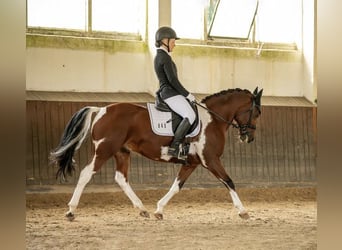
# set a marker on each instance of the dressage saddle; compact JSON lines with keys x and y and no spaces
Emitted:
{"x":176,"y":120}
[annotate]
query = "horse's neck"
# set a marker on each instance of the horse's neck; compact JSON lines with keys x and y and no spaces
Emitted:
{"x":222,"y":105}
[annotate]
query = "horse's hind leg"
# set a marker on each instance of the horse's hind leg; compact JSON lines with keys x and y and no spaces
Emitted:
{"x":85,"y":176}
{"x":122,"y":164}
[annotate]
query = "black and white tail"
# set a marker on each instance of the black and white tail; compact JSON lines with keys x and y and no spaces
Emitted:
{"x":73,"y":136}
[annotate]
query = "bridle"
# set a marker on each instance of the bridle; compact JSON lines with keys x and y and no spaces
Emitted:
{"x":243,"y":128}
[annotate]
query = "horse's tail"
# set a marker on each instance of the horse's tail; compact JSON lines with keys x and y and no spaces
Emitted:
{"x":73,"y":136}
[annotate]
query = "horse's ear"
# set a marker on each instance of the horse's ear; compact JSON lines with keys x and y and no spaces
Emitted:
{"x":258,"y":97}
{"x":260,"y":92}
{"x":255,"y":92}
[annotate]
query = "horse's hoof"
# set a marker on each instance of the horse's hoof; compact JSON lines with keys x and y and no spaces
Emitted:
{"x":244,"y":215}
{"x":145,"y":214}
{"x":158,"y":216}
{"x":70,"y":216}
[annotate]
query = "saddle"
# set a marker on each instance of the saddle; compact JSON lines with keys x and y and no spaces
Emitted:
{"x":176,"y":119}
{"x":164,"y":121}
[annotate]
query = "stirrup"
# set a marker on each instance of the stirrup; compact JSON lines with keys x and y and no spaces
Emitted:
{"x":183,"y":158}
{"x":173,"y":152}
{"x":180,"y":153}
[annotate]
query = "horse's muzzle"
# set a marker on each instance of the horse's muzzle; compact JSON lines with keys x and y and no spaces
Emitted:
{"x":250,"y":139}
{"x":246,"y":137}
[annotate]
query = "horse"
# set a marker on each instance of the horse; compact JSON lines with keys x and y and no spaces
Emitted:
{"x":120,"y":128}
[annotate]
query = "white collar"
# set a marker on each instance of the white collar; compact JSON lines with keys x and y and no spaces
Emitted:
{"x":162,"y":48}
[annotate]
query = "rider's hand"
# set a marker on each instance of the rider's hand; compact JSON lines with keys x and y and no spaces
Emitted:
{"x":191,"y":98}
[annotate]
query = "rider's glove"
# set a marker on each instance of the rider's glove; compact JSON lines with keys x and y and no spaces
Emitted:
{"x":191,"y":98}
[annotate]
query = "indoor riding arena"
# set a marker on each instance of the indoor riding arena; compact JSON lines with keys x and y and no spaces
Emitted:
{"x":98,"y":53}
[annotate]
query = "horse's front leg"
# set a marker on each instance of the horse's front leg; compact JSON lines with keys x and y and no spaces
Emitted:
{"x":237,"y":203}
{"x":218,"y":170}
{"x":122,"y":161}
{"x":183,"y":175}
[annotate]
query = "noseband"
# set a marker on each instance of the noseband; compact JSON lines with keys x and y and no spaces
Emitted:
{"x":243,"y":128}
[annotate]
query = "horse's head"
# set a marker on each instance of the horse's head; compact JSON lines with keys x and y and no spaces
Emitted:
{"x":237,"y":105}
{"x":247,"y":118}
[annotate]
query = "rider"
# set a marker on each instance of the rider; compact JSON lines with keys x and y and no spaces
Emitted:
{"x":171,"y":90}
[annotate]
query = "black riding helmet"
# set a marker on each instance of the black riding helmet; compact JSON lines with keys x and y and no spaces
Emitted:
{"x":165,"y":32}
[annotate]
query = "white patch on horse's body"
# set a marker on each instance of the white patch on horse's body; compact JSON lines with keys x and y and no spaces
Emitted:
{"x":164,"y":153}
{"x":97,"y":117}
{"x":163,"y":201}
{"x":97,"y":143}
{"x":198,"y":146}
{"x":87,"y":125}
{"x":121,"y":180}
{"x":101,"y":113}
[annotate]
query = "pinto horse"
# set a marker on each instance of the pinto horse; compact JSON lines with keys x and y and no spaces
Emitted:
{"x":120,"y":128}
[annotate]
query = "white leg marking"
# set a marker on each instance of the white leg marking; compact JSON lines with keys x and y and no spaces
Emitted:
{"x":236,"y":201}
{"x":85,"y":177}
{"x":163,"y":201}
{"x":121,"y":180}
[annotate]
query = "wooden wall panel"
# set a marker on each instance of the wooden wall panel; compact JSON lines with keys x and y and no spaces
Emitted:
{"x":284,"y":149}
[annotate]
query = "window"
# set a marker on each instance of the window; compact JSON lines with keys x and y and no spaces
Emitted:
{"x":279,"y":21}
{"x":117,"y":15}
{"x":87,"y":15}
{"x":272,"y":21}
{"x":254,"y":21}
{"x":64,"y":14}
{"x":187,"y":17}
{"x":232,"y":18}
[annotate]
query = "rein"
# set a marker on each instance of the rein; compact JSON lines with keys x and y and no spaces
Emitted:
{"x":217,"y":115}
{"x":242,"y":127}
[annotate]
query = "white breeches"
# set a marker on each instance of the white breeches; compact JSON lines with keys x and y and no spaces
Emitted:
{"x":181,"y":106}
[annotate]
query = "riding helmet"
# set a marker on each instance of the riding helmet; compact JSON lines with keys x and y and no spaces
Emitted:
{"x":165,"y":32}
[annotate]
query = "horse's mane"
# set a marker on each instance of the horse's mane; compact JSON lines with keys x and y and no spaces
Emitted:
{"x":224,"y":92}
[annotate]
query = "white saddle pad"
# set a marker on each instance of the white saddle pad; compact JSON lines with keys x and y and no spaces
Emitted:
{"x":161,"y":122}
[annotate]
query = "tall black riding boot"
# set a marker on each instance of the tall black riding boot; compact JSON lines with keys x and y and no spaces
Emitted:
{"x":180,"y":133}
